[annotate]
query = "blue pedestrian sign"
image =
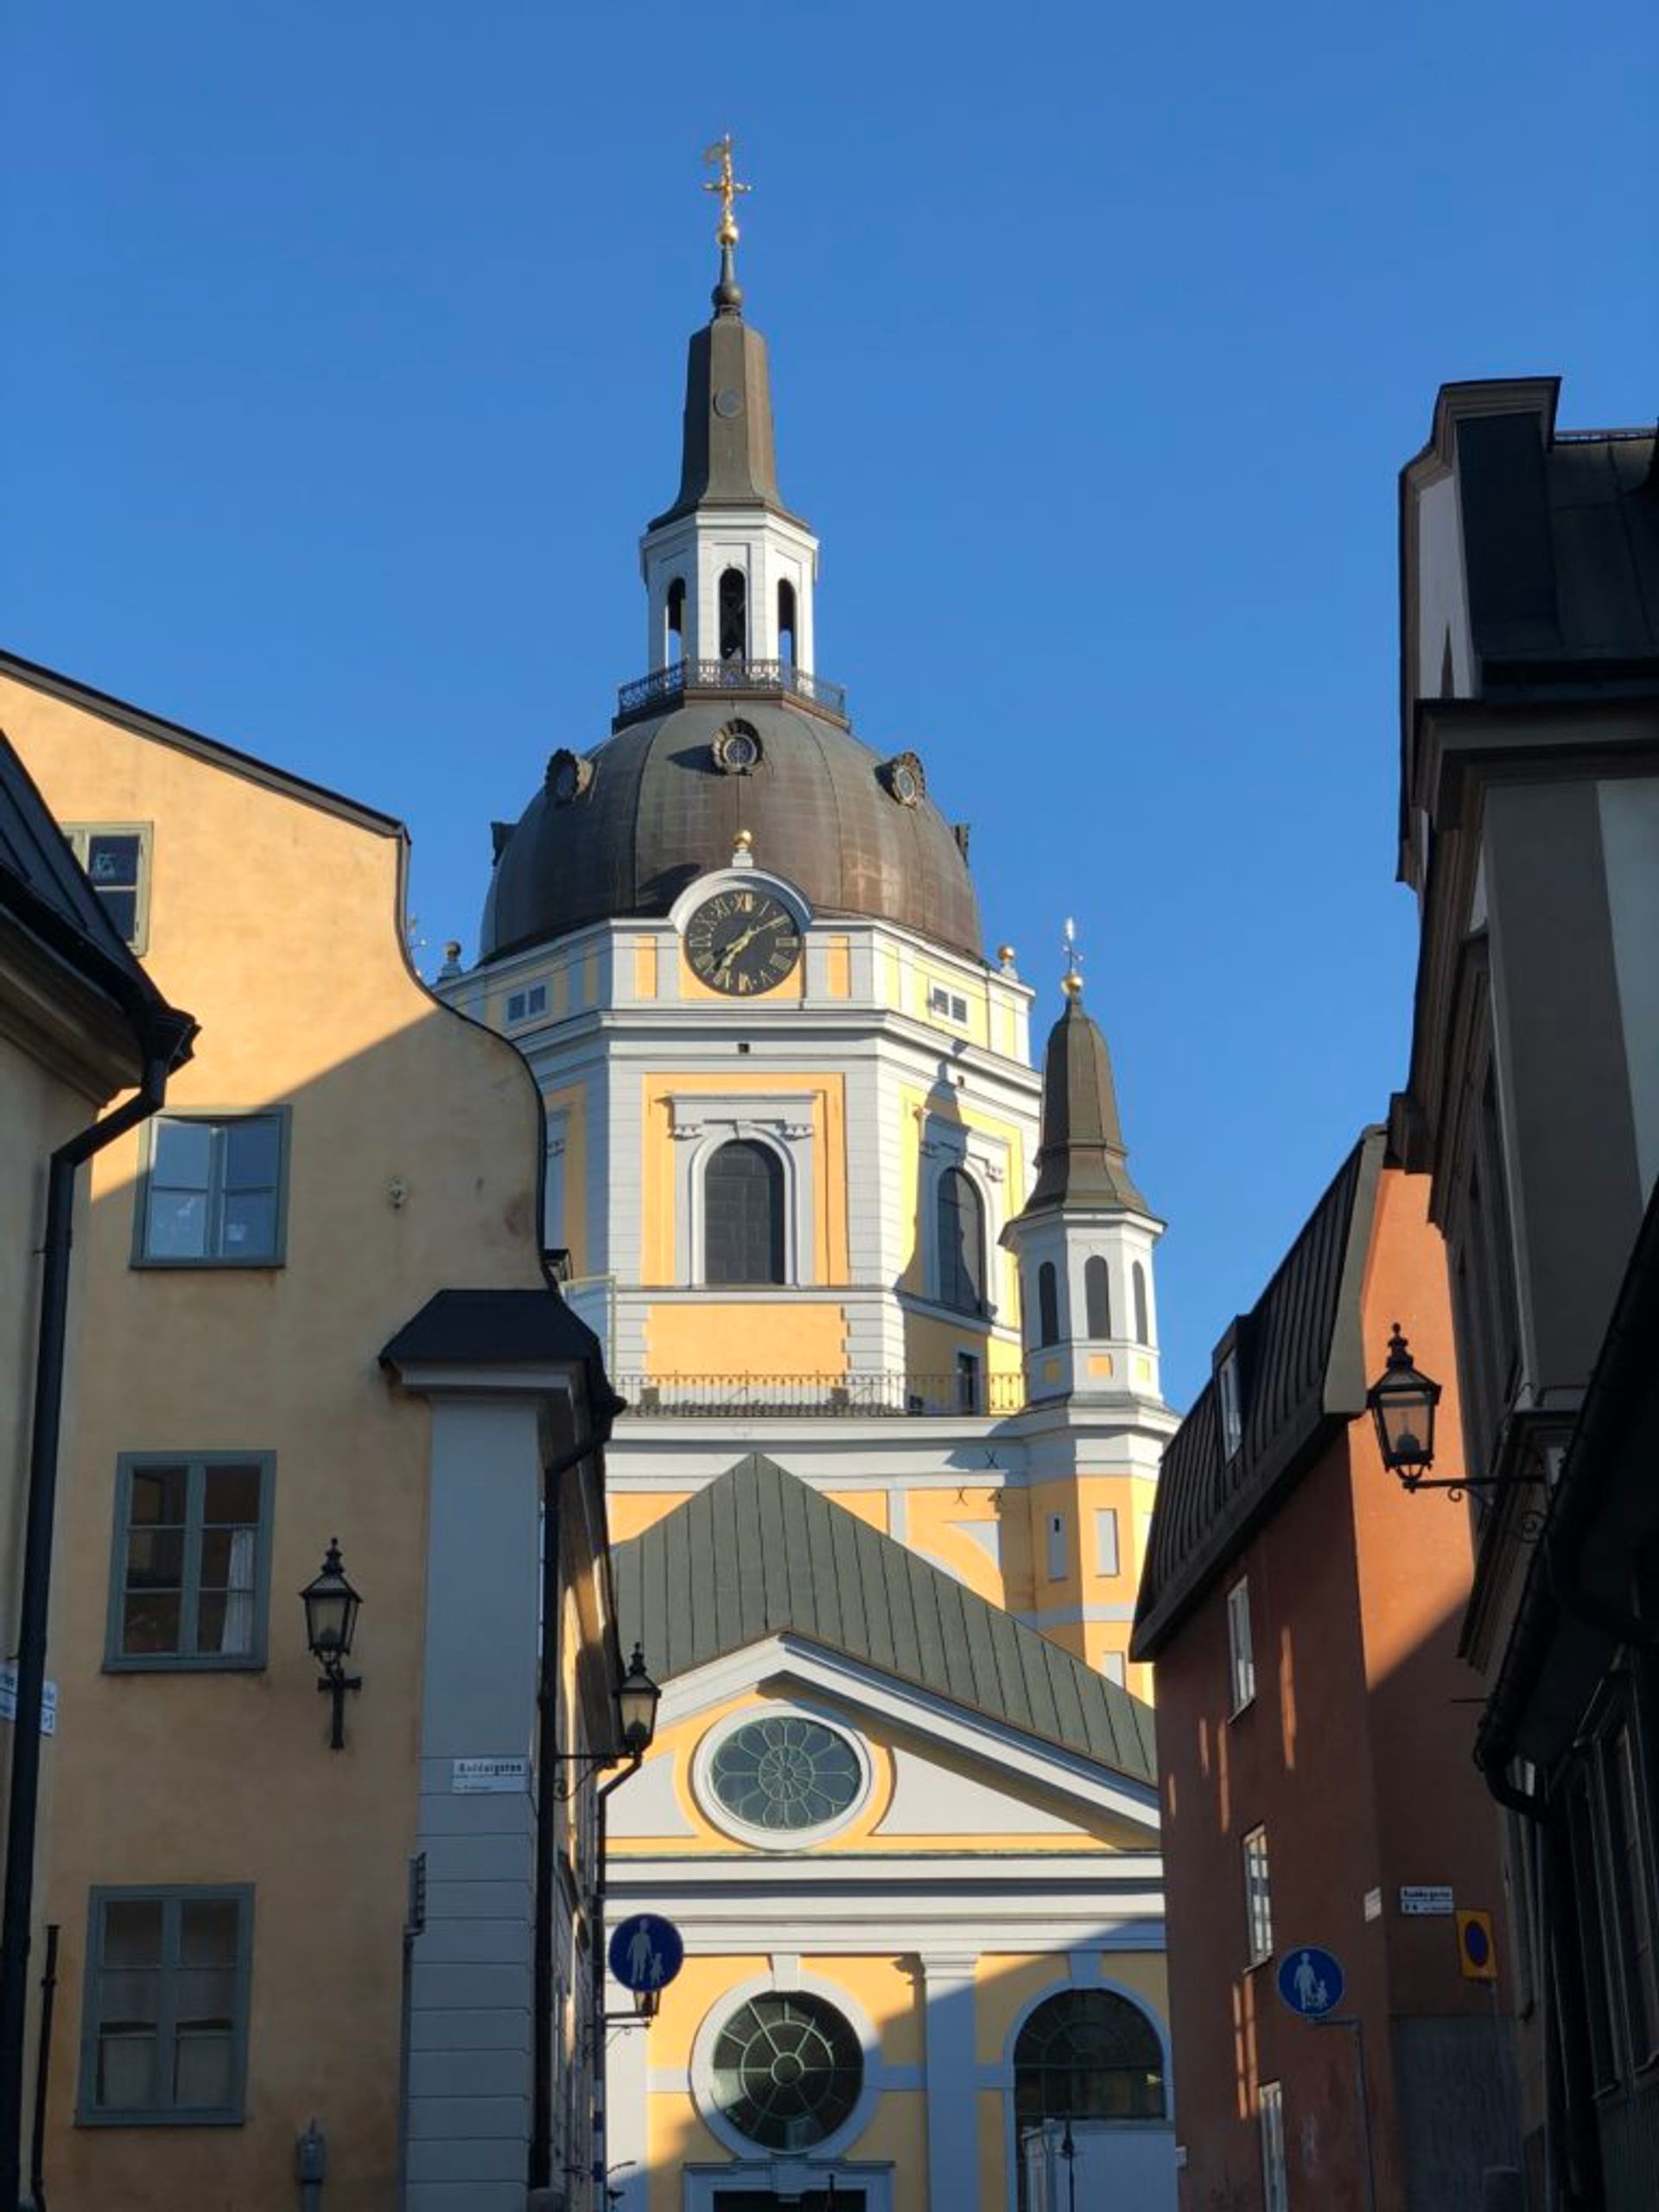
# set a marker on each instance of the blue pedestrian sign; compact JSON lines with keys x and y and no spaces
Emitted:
{"x":1310,"y":1981}
{"x":646,"y":1952}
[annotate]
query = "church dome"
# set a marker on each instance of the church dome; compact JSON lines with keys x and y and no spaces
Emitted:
{"x":625,"y":829}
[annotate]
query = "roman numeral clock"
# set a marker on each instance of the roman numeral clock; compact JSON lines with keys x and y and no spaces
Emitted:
{"x":742,"y":941}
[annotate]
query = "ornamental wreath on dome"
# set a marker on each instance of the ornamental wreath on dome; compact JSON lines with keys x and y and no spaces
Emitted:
{"x":568,"y":776}
{"x":737,"y":749}
{"x":905,"y":779}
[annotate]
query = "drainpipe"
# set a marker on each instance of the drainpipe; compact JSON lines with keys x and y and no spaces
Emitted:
{"x":596,"y":1966}
{"x":162,"y":1051}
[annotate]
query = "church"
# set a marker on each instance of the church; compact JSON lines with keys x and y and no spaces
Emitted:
{"x":879,"y":1293}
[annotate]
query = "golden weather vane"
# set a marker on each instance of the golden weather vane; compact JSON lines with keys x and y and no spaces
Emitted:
{"x":719,"y":155}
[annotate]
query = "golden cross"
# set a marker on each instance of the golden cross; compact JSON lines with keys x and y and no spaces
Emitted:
{"x":727,"y":186}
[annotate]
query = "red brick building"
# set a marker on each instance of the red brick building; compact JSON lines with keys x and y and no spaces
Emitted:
{"x":1302,"y":1612}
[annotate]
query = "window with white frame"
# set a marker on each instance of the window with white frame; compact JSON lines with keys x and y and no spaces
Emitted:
{"x":1258,"y":1896}
{"x":1241,"y":1652}
{"x":950,"y":1006}
{"x":1270,"y":2110}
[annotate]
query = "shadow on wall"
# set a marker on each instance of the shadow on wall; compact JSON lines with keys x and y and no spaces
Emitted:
{"x":406,"y":1168}
{"x":959,"y":2100}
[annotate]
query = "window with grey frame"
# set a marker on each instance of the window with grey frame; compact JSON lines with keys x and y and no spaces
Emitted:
{"x":1143,"y":1312}
{"x":1097,"y":1296}
{"x":190,"y":1563}
{"x":743,"y":1197}
{"x":212,"y":1192}
{"x":165,"y":2018}
{"x":1048,"y":1305}
{"x":959,"y":1215}
{"x":116,"y":856}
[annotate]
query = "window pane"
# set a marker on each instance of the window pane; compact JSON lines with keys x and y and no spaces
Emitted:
{"x":132,"y":1933}
{"x":201,"y":2070}
{"x":126,"y":2069}
{"x":155,"y":1558}
{"x":157,"y":1494}
{"x":231,"y":1494}
{"x":150,"y":1624}
{"x":1097,"y":1296}
{"x":176,"y":1227}
{"x":208,"y":1928}
{"x":122,"y":907}
{"x":112,"y":861}
{"x":183,"y":1155}
{"x":743,"y":1202}
{"x":252,"y":1152}
{"x":250,"y":1223}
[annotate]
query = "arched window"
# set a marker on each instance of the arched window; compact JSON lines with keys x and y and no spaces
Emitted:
{"x":962,"y":1243}
{"x":786,"y":624}
{"x":1097,"y":1296}
{"x":733,"y":616}
{"x":1142,"y":1328}
{"x":1048,"y":1305}
{"x":1087,"y":2054}
{"x":677,"y":620}
{"x":743,"y":1214}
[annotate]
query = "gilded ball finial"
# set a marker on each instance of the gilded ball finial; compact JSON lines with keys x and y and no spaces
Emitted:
{"x":1071,"y":984}
{"x":1005,"y":955}
{"x":744,"y":840}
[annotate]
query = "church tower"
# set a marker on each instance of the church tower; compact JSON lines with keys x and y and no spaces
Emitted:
{"x":803,"y":1178}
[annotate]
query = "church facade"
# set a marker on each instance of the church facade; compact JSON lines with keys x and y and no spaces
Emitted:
{"x":879,"y":1293}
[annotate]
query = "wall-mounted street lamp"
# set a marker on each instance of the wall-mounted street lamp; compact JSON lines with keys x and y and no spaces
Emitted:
{"x":637,"y":1699}
{"x":331,"y":1609}
{"x":1402,"y":1403}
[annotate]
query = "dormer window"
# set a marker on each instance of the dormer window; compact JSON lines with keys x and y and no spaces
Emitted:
{"x":1230,"y":1405}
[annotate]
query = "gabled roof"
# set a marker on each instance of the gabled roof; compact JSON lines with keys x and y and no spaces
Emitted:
{"x":759,"y":1554}
{"x":1302,"y":1377}
{"x":44,"y":890}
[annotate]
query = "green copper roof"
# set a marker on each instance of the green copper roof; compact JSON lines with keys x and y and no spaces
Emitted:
{"x":759,"y":1554}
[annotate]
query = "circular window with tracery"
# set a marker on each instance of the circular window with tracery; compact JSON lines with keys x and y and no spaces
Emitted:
{"x":787,"y":2070}
{"x":786,"y":1774}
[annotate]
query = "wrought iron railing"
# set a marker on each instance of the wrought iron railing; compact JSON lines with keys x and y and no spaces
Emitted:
{"x":854,"y":1396}
{"x":781,"y":677}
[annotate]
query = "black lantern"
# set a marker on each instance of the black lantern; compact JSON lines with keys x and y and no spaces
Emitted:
{"x":637,"y":1699}
{"x":331,"y":1609}
{"x":1402,"y":1404}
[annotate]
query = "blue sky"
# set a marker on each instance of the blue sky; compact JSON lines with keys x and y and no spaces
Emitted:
{"x":343,"y":366}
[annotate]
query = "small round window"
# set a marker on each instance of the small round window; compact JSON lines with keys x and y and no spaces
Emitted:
{"x":787,"y":2070}
{"x":786,"y":1773}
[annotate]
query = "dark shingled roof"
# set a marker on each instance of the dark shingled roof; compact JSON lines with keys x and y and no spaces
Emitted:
{"x":758,"y":1552}
{"x":1302,"y":1377}
{"x":658,"y":812}
{"x":45,"y":892}
{"x":1082,"y":1160}
{"x":727,"y":458}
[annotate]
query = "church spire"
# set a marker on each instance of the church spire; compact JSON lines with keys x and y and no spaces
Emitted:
{"x":1082,"y":1159}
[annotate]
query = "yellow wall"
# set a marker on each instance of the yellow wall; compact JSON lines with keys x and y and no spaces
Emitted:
{"x":744,"y":1340}
{"x":572,"y":1230}
{"x":278,"y":924}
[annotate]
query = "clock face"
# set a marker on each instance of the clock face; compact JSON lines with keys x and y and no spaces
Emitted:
{"x":742,"y":942}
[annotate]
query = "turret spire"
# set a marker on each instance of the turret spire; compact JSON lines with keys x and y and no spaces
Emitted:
{"x":729,"y":293}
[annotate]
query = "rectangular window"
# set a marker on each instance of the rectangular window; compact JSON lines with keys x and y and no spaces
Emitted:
{"x":166,"y":2016}
{"x":1270,"y":2109}
{"x":1240,"y":1651}
{"x":1258,"y":1896}
{"x":1056,"y":1548}
{"x":1631,"y":1907}
{"x":1112,"y":1667}
{"x":522,"y":1005}
{"x":116,"y":856}
{"x":947,"y":1003}
{"x":1106,"y":1553}
{"x":1593,"y":1964}
{"x":1230,"y":1405}
{"x":212,"y":1191}
{"x":968,"y":1396}
{"x":191,"y":1561}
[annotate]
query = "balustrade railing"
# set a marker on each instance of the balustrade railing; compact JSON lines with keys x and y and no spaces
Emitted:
{"x":709,"y":1397}
{"x":647,"y":693}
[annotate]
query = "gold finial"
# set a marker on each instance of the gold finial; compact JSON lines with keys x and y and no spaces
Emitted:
{"x":1005,"y":955}
{"x":1071,"y":982}
{"x":744,"y":839}
{"x":719,"y":155}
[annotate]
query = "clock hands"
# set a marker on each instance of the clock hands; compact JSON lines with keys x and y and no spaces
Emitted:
{"x":741,"y":944}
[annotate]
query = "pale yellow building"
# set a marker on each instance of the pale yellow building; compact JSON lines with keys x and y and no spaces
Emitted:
{"x":879,"y":1294}
{"x":313,"y":1306}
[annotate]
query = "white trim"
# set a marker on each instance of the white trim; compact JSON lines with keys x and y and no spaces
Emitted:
{"x":765,"y":1985}
{"x":775,"y":1839}
{"x":753,"y":878}
{"x":850,"y":1682}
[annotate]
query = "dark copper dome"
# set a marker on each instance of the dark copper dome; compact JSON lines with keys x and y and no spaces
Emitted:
{"x":655,"y":809}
